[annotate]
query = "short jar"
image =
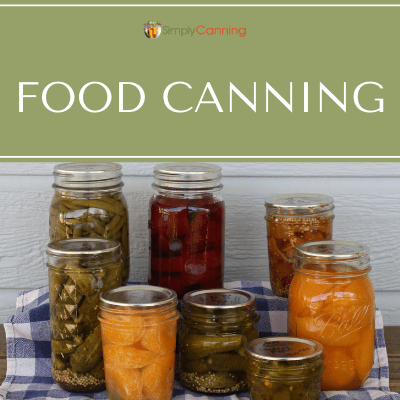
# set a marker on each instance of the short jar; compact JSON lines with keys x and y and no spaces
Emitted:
{"x":138,"y":329}
{"x":187,"y":227}
{"x":293,"y":219}
{"x":79,"y":270}
{"x":216,"y":326}
{"x":88,"y":202}
{"x":284,"y":368}
{"x":331,"y":300}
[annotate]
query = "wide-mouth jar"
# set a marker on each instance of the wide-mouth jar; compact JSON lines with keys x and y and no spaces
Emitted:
{"x":88,"y":202}
{"x":293,"y":219}
{"x":138,"y":328}
{"x":187,"y":227}
{"x":331,"y":300}
{"x":284,"y":368}
{"x":79,"y":270}
{"x":216,"y":326}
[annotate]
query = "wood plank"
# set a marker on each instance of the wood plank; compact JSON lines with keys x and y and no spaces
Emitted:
{"x":3,"y":344}
{"x":391,"y":336}
{"x":237,"y":169}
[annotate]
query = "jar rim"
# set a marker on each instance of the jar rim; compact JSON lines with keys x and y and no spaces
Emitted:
{"x":187,"y":176}
{"x":140,"y":297}
{"x":332,"y":250}
{"x":84,"y":247}
{"x":218,"y":299}
{"x":298,"y":204}
{"x":283,"y":349}
{"x":85,"y":175}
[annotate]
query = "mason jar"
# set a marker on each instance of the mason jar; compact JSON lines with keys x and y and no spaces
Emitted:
{"x":79,"y":270}
{"x":187,"y":226}
{"x":138,"y":328}
{"x":284,"y":368}
{"x":293,"y":219}
{"x":331,"y":300}
{"x":88,"y":202}
{"x":216,"y":326}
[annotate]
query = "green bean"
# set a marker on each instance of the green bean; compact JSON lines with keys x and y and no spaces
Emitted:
{"x":117,"y":227}
{"x":113,"y":223}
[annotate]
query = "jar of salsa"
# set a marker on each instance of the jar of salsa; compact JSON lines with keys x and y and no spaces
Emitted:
{"x":331,"y":300}
{"x":217,"y":325}
{"x":284,"y":368}
{"x":88,"y":203}
{"x":293,"y":219}
{"x":138,"y":330}
{"x":187,"y":225}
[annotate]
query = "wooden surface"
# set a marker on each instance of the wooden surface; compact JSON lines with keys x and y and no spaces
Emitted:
{"x":392,"y":337}
{"x":367,"y":200}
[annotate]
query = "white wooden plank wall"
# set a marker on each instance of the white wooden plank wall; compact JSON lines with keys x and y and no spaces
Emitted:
{"x":367,"y":198}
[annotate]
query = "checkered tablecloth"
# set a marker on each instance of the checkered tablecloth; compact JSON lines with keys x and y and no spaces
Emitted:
{"x":29,"y":365}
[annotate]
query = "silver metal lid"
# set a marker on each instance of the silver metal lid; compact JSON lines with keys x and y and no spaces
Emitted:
{"x":138,"y":296}
{"x":89,"y":175}
{"x":298,"y":203}
{"x":223,"y":299}
{"x":84,"y":247}
{"x":187,"y":175}
{"x":283,"y":349}
{"x":331,"y":250}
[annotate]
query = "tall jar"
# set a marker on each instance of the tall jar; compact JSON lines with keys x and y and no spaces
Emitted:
{"x":284,"y":368}
{"x":332,"y":301}
{"x":88,"y":202}
{"x":138,"y":328}
{"x":79,"y":270}
{"x":293,"y":219}
{"x":187,"y":227}
{"x":216,"y":326}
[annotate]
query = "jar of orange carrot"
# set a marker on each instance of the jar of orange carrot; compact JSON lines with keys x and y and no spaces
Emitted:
{"x":138,"y":331}
{"x":331,"y":300}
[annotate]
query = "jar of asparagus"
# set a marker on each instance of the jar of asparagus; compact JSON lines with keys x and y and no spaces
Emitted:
{"x":217,"y":324}
{"x":88,"y":202}
{"x":293,"y":219}
{"x":79,"y":270}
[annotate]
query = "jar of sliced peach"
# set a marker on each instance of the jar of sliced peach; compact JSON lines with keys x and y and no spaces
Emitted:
{"x":138,"y":330}
{"x":331,"y":300}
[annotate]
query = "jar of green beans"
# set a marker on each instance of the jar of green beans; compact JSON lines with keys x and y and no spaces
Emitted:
{"x":88,"y":203}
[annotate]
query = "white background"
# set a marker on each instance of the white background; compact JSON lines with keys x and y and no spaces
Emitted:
{"x":367,"y":200}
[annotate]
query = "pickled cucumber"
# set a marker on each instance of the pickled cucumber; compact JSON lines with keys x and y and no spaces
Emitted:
{"x":195,"y":346}
{"x":226,"y":362}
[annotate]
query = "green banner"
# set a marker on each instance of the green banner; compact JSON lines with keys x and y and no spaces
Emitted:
{"x":225,"y":82}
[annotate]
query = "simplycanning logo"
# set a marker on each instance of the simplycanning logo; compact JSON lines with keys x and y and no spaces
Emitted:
{"x":152,"y":30}
{"x":199,"y":30}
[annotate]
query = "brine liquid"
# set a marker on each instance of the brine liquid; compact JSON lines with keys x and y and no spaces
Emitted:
{"x":186,"y":243}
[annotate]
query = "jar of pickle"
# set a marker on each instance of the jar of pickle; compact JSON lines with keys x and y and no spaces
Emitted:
{"x":79,"y":270}
{"x":88,"y":202}
{"x":284,"y":368}
{"x":331,"y":300}
{"x":138,"y":329}
{"x":293,"y":219}
{"x":186,"y":222}
{"x":217,"y":325}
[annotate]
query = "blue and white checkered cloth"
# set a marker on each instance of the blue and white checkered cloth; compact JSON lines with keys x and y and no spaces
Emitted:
{"x":29,"y":364}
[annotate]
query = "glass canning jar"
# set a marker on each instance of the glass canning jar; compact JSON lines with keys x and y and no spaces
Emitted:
{"x":79,"y":270}
{"x":88,"y":202}
{"x":331,"y":300}
{"x":293,"y":219}
{"x":187,"y":227}
{"x":284,"y":368}
{"x":138,"y":329}
{"x":216,"y":326}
